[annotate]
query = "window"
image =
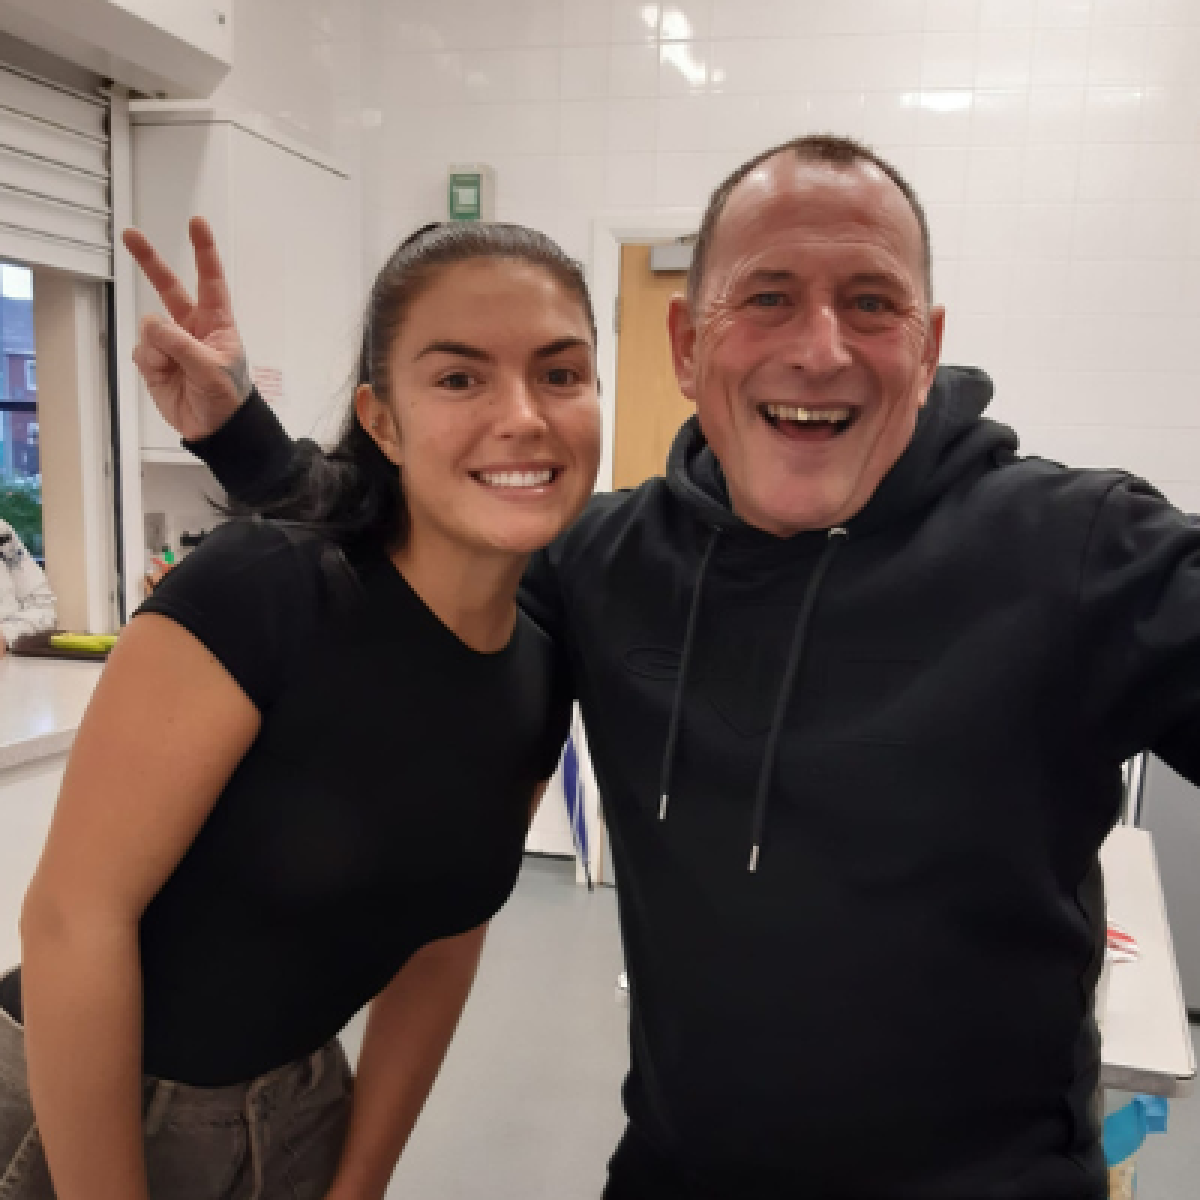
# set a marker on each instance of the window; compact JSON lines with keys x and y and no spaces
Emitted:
{"x":16,"y":283}
{"x":20,"y":452}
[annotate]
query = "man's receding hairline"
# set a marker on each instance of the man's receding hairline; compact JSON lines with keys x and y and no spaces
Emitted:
{"x":828,"y":151}
{"x":840,"y":168}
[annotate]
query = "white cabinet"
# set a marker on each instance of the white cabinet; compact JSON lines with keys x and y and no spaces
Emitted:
{"x":288,"y":232}
{"x":27,"y":797}
{"x":176,"y":47}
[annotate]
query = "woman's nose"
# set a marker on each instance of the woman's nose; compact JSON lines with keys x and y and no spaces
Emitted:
{"x":521,"y":409}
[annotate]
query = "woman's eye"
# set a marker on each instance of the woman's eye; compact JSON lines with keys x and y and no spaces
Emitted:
{"x":456,"y":381}
{"x":563,"y":377}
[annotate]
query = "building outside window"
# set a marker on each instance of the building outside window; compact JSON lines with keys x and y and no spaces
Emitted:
{"x":20,"y":456}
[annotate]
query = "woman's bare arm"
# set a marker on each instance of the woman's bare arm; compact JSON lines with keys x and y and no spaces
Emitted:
{"x":164,"y":731}
{"x":409,"y":1028}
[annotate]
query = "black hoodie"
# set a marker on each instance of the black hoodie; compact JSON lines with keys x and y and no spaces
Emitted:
{"x":912,"y":730}
{"x":896,"y":1002}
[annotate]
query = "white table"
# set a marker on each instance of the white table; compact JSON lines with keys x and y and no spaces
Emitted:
{"x":1146,"y":1042}
{"x":41,"y":704}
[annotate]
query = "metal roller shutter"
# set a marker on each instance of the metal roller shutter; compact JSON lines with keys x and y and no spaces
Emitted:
{"x":55,"y":209}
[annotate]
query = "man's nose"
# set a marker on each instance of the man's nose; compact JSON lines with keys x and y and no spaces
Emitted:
{"x":816,"y":340}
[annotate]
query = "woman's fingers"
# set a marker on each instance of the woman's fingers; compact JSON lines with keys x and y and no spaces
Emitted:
{"x":199,"y":364}
{"x":174,"y":295}
{"x":212,"y":292}
{"x":154,"y":365}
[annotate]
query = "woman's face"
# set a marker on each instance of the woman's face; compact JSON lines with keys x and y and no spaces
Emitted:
{"x":494,"y":416}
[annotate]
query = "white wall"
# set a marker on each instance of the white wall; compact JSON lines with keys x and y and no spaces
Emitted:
{"x":1054,"y":142}
{"x":296,"y":73}
{"x":296,"y":66}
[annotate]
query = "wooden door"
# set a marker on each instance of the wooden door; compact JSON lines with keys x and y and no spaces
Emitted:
{"x":650,"y":406}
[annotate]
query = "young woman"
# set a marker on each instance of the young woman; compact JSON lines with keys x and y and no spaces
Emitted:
{"x":305,"y":779}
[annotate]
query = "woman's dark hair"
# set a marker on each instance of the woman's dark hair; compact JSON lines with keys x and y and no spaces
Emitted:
{"x":352,"y":494}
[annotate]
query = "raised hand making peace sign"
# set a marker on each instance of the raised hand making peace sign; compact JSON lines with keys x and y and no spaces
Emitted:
{"x":193,"y":363}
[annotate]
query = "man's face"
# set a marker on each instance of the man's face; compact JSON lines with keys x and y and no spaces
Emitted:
{"x":812,"y":345}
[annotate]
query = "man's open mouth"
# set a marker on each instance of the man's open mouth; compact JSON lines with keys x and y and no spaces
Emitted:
{"x":808,"y":424}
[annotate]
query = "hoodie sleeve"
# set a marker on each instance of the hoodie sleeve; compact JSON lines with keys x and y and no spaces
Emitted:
{"x":1139,"y":628}
{"x":252,"y":456}
{"x":541,"y":597}
{"x":33,"y":601}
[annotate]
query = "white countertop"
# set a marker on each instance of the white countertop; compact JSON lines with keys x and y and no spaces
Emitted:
{"x":41,"y":704}
{"x":1146,"y":1043}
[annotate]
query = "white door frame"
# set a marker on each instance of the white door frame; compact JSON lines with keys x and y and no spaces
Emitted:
{"x":609,"y":232}
{"x":95,"y":458}
{"x":124,"y":335}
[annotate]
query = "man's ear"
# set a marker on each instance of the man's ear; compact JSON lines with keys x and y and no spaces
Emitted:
{"x":931,"y":354}
{"x":682,"y":331}
{"x":376,"y":417}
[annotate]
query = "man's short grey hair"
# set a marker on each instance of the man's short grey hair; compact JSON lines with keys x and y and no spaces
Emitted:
{"x":827,"y":148}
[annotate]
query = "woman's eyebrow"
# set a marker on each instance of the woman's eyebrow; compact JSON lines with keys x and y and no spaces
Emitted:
{"x":463,"y":350}
{"x":459,"y":349}
{"x":561,"y":344}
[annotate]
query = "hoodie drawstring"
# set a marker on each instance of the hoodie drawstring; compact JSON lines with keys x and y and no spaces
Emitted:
{"x":835,"y":537}
{"x":684,"y":663}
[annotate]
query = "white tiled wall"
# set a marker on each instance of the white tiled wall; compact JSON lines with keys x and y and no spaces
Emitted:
{"x":297,"y":67}
{"x":1056,"y":143}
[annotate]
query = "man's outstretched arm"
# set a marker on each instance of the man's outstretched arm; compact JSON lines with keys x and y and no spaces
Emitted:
{"x":1138,"y":628}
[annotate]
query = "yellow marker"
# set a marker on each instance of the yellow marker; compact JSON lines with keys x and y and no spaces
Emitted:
{"x":97,"y":643}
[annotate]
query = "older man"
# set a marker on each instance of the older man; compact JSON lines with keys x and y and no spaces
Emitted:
{"x":858,"y":680}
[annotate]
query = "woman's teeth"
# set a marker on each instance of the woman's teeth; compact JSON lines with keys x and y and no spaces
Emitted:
{"x":516,"y":479}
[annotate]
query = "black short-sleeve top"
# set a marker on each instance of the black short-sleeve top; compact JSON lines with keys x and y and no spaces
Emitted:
{"x":383,"y":804}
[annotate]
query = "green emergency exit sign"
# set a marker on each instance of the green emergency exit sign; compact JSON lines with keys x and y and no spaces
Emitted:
{"x":466,"y":197}
{"x":470,"y":192}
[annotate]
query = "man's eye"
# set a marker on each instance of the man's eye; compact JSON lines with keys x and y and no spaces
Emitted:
{"x":563,"y":377}
{"x":871,"y":304}
{"x":456,"y":381}
{"x":767,"y":299}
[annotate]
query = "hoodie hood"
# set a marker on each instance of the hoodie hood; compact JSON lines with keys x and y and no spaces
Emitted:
{"x":950,"y":440}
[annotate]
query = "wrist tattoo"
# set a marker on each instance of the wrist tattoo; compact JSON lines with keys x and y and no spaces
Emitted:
{"x":239,"y":373}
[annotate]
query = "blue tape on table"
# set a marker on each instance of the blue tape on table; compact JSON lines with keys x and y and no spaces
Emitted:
{"x":1126,"y":1129}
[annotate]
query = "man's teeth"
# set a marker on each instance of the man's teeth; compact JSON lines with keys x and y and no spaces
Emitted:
{"x":515,"y":479}
{"x":790,"y":412}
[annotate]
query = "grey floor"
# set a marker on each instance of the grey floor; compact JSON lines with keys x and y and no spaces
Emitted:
{"x":528,"y":1103}
{"x":1169,"y":1166}
{"x":527,"y":1106}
